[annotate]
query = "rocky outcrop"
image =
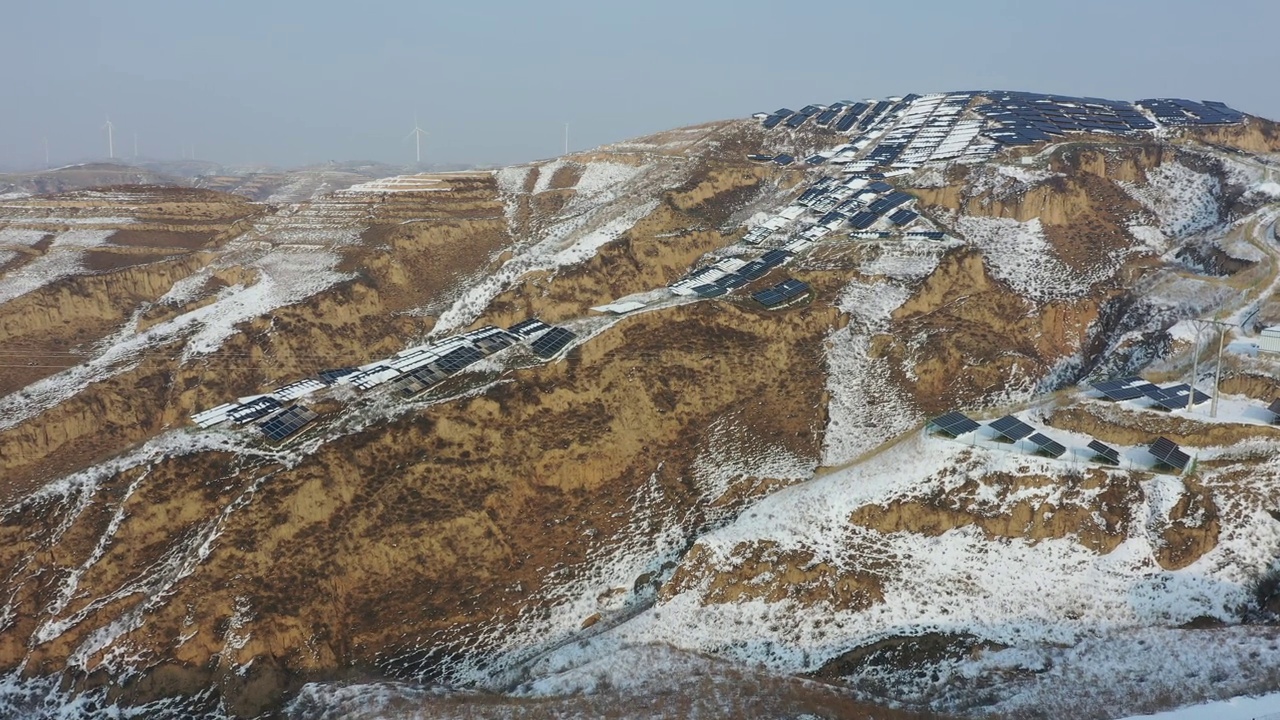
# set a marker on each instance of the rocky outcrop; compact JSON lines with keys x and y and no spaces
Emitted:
{"x":1095,"y":508}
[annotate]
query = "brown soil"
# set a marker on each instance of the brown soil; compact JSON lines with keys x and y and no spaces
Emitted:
{"x":148,"y":238}
{"x":1098,"y":522}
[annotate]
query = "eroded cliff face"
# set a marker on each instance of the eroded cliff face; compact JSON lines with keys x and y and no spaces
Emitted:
{"x":436,"y":521}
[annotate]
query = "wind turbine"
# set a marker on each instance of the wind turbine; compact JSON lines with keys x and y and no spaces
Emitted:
{"x":111,"y":139}
{"x":416,"y":134}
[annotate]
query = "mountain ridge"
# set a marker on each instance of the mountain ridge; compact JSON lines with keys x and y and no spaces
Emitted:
{"x":483,"y":532}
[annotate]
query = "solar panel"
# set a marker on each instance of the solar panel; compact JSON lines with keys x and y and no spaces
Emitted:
{"x":330,"y":377}
{"x":955,"y":424}
{"x":792,"y":288}
{"x":902,"y":217}
{"x":1163,"y":446}
{"x":753,"y":270}
{"x":459,"y":359}
{"x":420,"y":380}
{"x":1105,"y":453}
{"x":863,"y":220}
{"x":731,"y":281}
{"x":551,"y":343}
{"x":286,"y":423}
{"x":769,"y":298}
{"x":709,"y":290}
{"x":528,"y":328}
{"x":1155,"y":392}
{"x":1167,"y":452}
{"x":1274,"y":407}
{"x":252,"y":410}
{"x":774,"y":258}
{"x":1048,"y":446}
{"x":1012,"y":428}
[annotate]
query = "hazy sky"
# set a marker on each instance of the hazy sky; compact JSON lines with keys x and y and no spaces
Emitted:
{"x":494,"y":81}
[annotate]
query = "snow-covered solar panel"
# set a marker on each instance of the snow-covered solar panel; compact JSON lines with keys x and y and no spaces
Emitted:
{"x":213,"y":416}
{"x":373,"y":377}
{"x":298,"y":389}
{"x":252,"y":410}
{"x":528,"y":328}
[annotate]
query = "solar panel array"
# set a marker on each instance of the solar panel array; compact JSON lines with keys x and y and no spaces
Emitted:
{"x":1020,"y":118}
{"x":286,"y":423}
{"x":254,"y":409}
{"x":420,"y":381}
{"x":863,"y":220}
{"x":528,"y":328}
{"x":1172,"y":111}
{"x":298,"y":389}
{"x":955,"y":424}
{"x":552,"y":342}
{"x":1168,"y":452}
{"x":1124,"y":388}
{"x":1175,"y":397}
{"x":713,"y":280}
{"x":1274,"y":407}
{"x":903,"y":217}
{"x":329,"y":377}
{"x":782,"y":293}
{"x":1104,"y":452}
{"x":1047,"y":445}
{"x":889,"y":202}
{"x":909,"y":132}
{"x":1012,"y":428}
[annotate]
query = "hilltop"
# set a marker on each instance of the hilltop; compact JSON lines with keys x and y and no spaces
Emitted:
{"x":420,"y":437}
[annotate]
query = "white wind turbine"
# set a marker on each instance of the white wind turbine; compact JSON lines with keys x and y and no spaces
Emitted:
{"x":111,"y":139}
{"x":416,"y":134}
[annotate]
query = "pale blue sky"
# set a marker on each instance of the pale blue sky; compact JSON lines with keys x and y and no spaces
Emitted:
{"x":493,"y":82}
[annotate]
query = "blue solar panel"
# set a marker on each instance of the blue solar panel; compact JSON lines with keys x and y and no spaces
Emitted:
{"x":1012,"y":428}
{"x":903,"y":217}
{"x":753,"y":270}
{"x":731,"y":281}
{"x":863,"y":220}
{"x":330,"y":377}
{"x":955,"y":424}
{"x":286,"y":423}
{"x":773,"y":258}
{"x":709,"y":290}
{"x":552,"y":342}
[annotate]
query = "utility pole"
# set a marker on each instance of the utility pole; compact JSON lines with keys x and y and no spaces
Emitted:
{"x":1217,"y":372}
{"x":566,"y":138}
{"x":1195,"y":364}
